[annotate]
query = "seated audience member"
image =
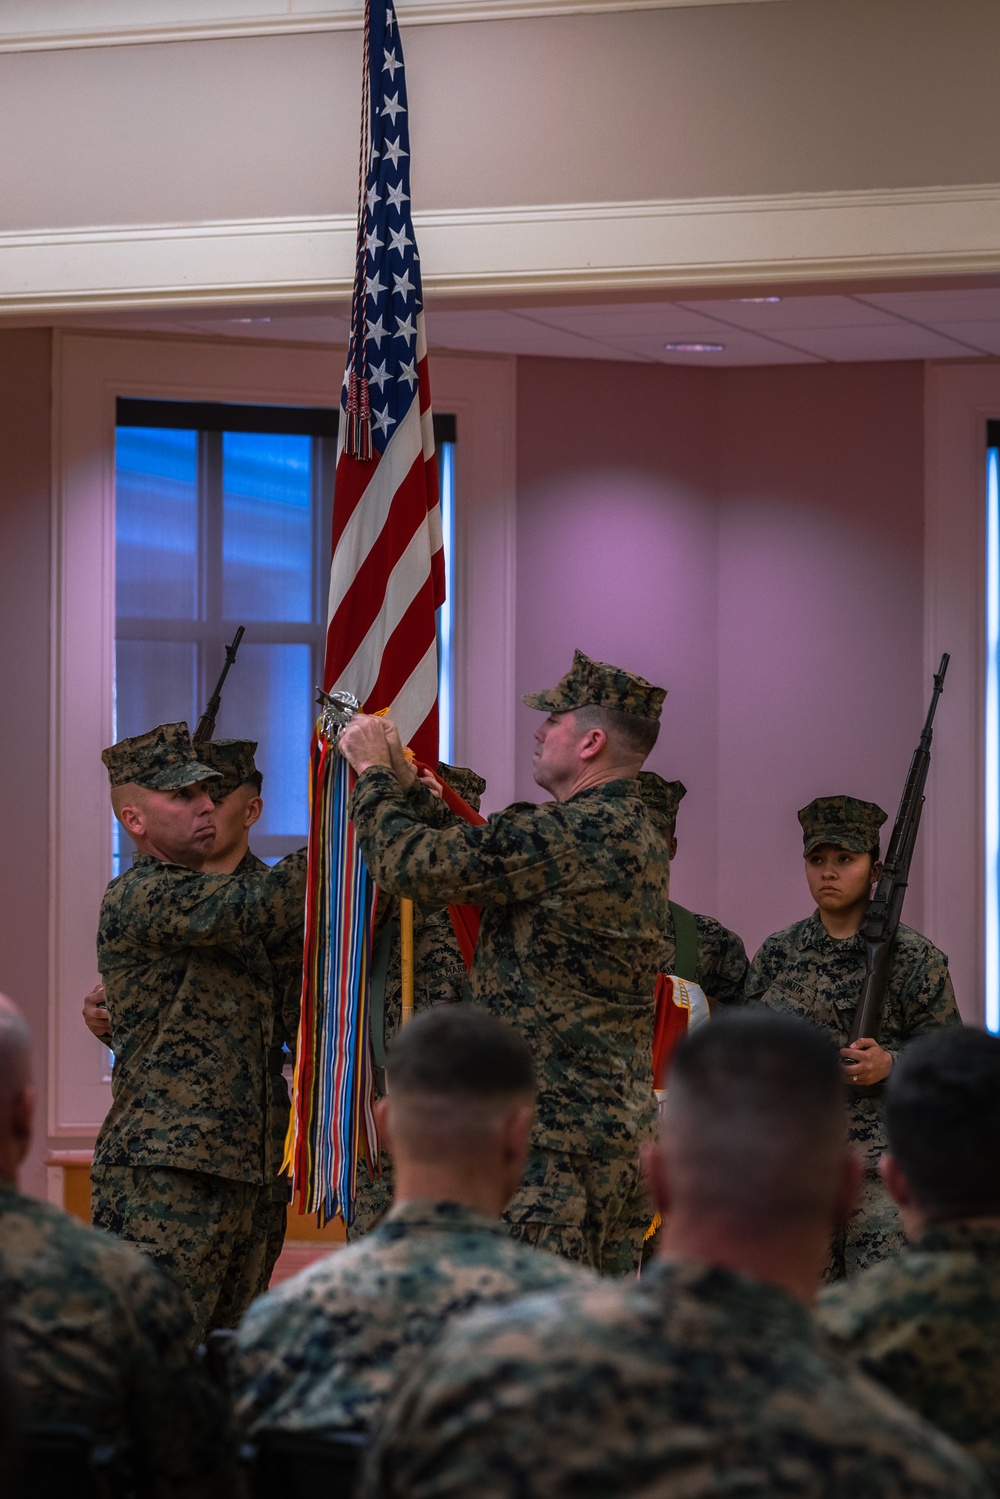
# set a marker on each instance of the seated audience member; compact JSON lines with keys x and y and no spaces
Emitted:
{"x":322,"y":1351}
{"x":927,"y":1324}
{"x":709,"y":1375}
{"x":96,"y":1335}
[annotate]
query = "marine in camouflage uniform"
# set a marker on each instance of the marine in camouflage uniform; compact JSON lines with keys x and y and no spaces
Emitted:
{"x":97,"y":1337}
{"x":233,"y":759}
{"x":721,"y":961}
{"x":439,"y":977}
{"x":574,"y":911}
{"x":927,"y":1325}
{"x":181,"y":1157}
{"x":693,"y":1382}
{"x":324,"y":1349}
{"x":806,"y":971}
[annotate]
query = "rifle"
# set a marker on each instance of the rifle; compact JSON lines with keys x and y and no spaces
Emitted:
{"x":206,"y":723}
{"x":882,"y":920}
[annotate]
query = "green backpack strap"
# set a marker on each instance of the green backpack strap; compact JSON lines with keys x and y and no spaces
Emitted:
{"x":685,"y":943}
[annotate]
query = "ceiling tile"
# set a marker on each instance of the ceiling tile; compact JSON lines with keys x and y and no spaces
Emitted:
{"x":794,"y":312}
{"x":506,"y":333}
{"x":900,"y":341}
{"x":628,"y":320}
{"x":984,"y":335}
{"x":740,"y":348}
{"x":960,"y":305}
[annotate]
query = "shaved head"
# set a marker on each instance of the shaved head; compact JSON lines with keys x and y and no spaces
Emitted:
{"x":129,"y":795}
{"x":15,"y":1051}
{"x":755,"y":1122}
{"x":17,"y":1099}
{"x":461,"y":1094}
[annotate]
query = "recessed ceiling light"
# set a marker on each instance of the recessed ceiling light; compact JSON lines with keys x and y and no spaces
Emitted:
{"x":248,"y":319}
{"x":755,"y":301}
{"x":688,"y":348}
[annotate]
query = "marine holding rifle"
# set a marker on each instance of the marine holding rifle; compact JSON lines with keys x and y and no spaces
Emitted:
{"x":817,"y":968}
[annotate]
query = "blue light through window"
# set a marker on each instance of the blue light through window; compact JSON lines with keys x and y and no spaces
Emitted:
{"x":216,"y":528}
{"x":992,"y":746}
{"x":446,"y":615}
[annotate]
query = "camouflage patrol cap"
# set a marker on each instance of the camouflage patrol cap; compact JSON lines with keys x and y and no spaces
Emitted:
{"x":233,"y":759}
{"x":599,"y":684}
{"x":164,"y":760}
{"x":662,"y":798}
{"x":469,"y":786}
{"x":843,"y":821}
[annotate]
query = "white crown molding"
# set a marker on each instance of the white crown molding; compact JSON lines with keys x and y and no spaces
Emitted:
{"x":56,"y":24}
{"x":586,"y":247}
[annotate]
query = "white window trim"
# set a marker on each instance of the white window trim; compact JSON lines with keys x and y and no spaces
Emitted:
{"x":959,"y":401}
{"x":90,"y":372}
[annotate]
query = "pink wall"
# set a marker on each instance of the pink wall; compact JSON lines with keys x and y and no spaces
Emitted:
{"x":821,"y":685}
{"x":25,"y":420}
{"x":616,"y":549}
{"x":749,"y":538}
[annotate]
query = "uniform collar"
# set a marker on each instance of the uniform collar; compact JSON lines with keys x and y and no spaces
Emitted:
{"x":758,"y":1308}
{"x":968,"y":1235}
{"x":621,"y":787}
{"x":447,"y":1217}
{"x":815,"y":935}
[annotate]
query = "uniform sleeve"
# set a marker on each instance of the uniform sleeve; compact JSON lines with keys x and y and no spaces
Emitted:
{"x":178,"y":1416}
{"x":181,"y":908}
{"x":928,"y":998}
{"x":760,"y":975}
{"x":722,"y":962}
{"x":507,"y":859}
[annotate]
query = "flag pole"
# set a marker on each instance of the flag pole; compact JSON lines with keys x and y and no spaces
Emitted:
{"x":406,"y":958}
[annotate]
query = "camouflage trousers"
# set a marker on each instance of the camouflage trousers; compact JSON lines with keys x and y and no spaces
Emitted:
{"x":582,"y":1207}
{"x":208,"y":1233}
{"x":273,"y":1211}
{"x":373,"y":1200}
{"x":872,"y":1233}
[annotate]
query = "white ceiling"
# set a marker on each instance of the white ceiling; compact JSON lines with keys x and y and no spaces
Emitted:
{"x":958,"y":323}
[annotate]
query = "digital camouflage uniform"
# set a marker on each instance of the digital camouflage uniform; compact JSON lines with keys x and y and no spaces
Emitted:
{"x":324,"y":1349}
{"x":721,"y":957}
{"x":692,"y":1383}
{"x":97,"y":1338}
{"x":806,"y":971}
{"x":574,"y":911}
{"x":233,"y":759}
{"x":180,"y":1159}
{"x":927,"y":1325}
{"x":439,"y":977}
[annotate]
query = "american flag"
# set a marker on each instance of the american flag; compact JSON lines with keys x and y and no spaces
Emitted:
{"x":387,"y":576}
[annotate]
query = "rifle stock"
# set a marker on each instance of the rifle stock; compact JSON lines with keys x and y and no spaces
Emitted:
{"x":885,"y":910}
{"x":206,"y":723}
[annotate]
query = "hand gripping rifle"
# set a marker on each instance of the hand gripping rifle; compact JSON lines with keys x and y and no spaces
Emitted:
{"x":882,"y":921}
{"x":206,"y":723}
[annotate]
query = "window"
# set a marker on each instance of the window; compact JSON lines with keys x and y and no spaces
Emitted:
{"x":992,"y":726}
{"x":223,"y":518}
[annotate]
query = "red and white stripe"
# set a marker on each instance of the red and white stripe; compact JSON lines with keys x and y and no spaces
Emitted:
{"x":387,"y":576}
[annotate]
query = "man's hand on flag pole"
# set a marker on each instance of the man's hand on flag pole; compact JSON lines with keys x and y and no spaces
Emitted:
{"x":406,"y":773}
{"x":363,"y":743}
{"x":370,"y":739}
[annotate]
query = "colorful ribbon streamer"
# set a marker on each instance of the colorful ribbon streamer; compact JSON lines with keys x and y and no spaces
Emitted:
{"x":332,"y":1114}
